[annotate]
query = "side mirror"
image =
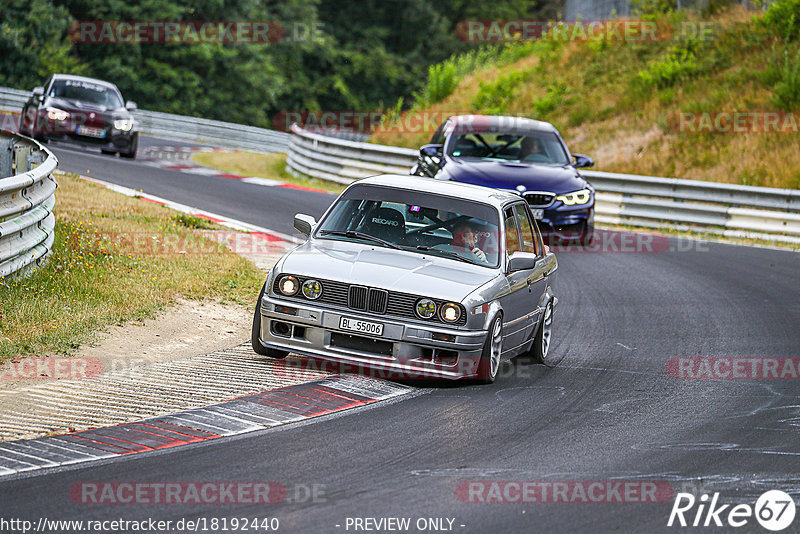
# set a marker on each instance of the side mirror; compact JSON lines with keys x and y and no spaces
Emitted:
{"x":431,"y":151}
{"x":130,"y":105}
{"x":582,"y":161}
{"x":38,"y":92}
{"x":521,"y":261}
{"x":304,"y":223}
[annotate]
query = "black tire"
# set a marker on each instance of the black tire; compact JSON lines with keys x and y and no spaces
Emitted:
{"x":255,"y":335}
{"x":131,"y":154}
{"x":587,"y":238}
{"x":541,"y":343}
{"x":489,"y":363}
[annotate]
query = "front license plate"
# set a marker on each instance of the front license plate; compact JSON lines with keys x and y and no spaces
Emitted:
{"x":538,"y":214}
{"x":363,"y":327}
{"x":91,"y":132}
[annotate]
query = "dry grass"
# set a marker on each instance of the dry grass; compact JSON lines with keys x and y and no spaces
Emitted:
{"x":272,"y":166}
{"x":115,"y":259}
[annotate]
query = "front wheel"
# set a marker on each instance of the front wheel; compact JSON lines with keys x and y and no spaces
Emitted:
{"x":131,"y":154}
{"x":492,"y":349}
{"x":541,"y":343}
{"x":255,"y":335}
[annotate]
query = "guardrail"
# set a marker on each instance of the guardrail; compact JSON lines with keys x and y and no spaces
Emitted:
{"x":27,"y":187}
{"x":621,"y":199}
{"x":181,"y":127}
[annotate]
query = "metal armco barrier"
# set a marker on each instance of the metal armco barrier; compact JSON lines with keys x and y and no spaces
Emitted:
{"x":27,"y":187}
{"x":342,"y":161}
{"x":183,"y":128}
{"x":622,"y":199}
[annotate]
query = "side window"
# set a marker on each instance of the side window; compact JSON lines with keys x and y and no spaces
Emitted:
{"x":526,"y":229}
{"x":512,"y":236}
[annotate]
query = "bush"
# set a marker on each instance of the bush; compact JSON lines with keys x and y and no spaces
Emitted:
{"x":443,"y":78}
{"x":493,"y":97}
{"x":783,"y":18}
{"x":787,"y":82}
{"x":679,"y":63}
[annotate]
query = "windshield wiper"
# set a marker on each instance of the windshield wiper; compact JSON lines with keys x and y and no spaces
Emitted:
{"x":358,"y":235}
{"x":446,"y":252}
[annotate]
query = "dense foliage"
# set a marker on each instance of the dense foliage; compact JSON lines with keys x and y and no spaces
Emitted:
{"x":363,"y":54}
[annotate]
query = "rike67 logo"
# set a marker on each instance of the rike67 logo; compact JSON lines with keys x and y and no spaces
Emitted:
{"x":774,"y":510}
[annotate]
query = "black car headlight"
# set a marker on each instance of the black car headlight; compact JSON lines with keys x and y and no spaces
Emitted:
{"x":312,"y":289}
{"x":425,"y":308}
{"x":57,"y":114}
{"x":576,"y":197}
{"x":288,"y":285}
{"x":123,"y":125}
{"x":450,"y":312}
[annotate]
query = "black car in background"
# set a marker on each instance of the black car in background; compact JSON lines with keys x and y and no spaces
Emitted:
{"x":84,"y":111}
{"x":521,"y":155}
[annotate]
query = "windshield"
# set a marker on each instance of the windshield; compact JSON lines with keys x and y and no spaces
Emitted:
{"x":425,"y":223}
{"x":82,"y":91}
{"x":528,"y":147}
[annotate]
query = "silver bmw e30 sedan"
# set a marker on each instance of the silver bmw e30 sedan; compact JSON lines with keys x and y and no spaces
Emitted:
{"x":414,"y":278}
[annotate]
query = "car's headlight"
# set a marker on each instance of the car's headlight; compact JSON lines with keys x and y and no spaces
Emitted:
{"x":312,"y":289}
{"x":288,"y":285}
{"x":450,"y":312}
{"x":124,"y":125}
{"x":56,"y":114}
{"x":576,"y":197}
{"x":425,"y":308}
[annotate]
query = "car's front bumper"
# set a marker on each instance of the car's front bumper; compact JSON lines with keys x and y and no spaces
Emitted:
{"x":405,"y":350}
{"x":567,"y":224}
{"x":114,"y":140}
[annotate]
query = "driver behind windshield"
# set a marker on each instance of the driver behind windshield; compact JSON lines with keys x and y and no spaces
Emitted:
{"x":465,"y":242}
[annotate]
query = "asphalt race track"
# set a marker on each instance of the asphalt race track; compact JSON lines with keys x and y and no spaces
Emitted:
{"x":609,"y":412}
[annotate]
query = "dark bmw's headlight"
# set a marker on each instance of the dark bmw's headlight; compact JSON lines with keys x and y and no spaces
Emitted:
{"x":576,"y":197}
{"x":288,"y":285}
{"x":425,"y":308}
{"x":312,"y":289}
{"x":450,"y":312}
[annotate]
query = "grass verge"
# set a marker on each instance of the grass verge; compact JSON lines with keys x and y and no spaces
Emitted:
{"x":115,"y":259}
{"x":272,"y":166}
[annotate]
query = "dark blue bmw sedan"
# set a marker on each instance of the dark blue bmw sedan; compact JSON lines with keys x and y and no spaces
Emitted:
{"x":522,"y":155}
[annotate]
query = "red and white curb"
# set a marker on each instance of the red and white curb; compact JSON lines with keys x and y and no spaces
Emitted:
{"x":259,"y":231}
{"x":179,"y":158}
{"x":239,"y":416}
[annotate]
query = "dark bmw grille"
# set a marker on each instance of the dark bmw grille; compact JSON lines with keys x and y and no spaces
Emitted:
{"x":540,"y":200}
{"x":363,"y":298}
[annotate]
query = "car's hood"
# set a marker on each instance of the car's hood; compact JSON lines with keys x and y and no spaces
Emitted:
{"x":377,"y":266}
{"x":510,"y":175}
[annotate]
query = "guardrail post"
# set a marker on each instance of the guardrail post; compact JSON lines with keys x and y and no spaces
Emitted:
{"x":6,"y":158}
{"x":21,"y":154}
